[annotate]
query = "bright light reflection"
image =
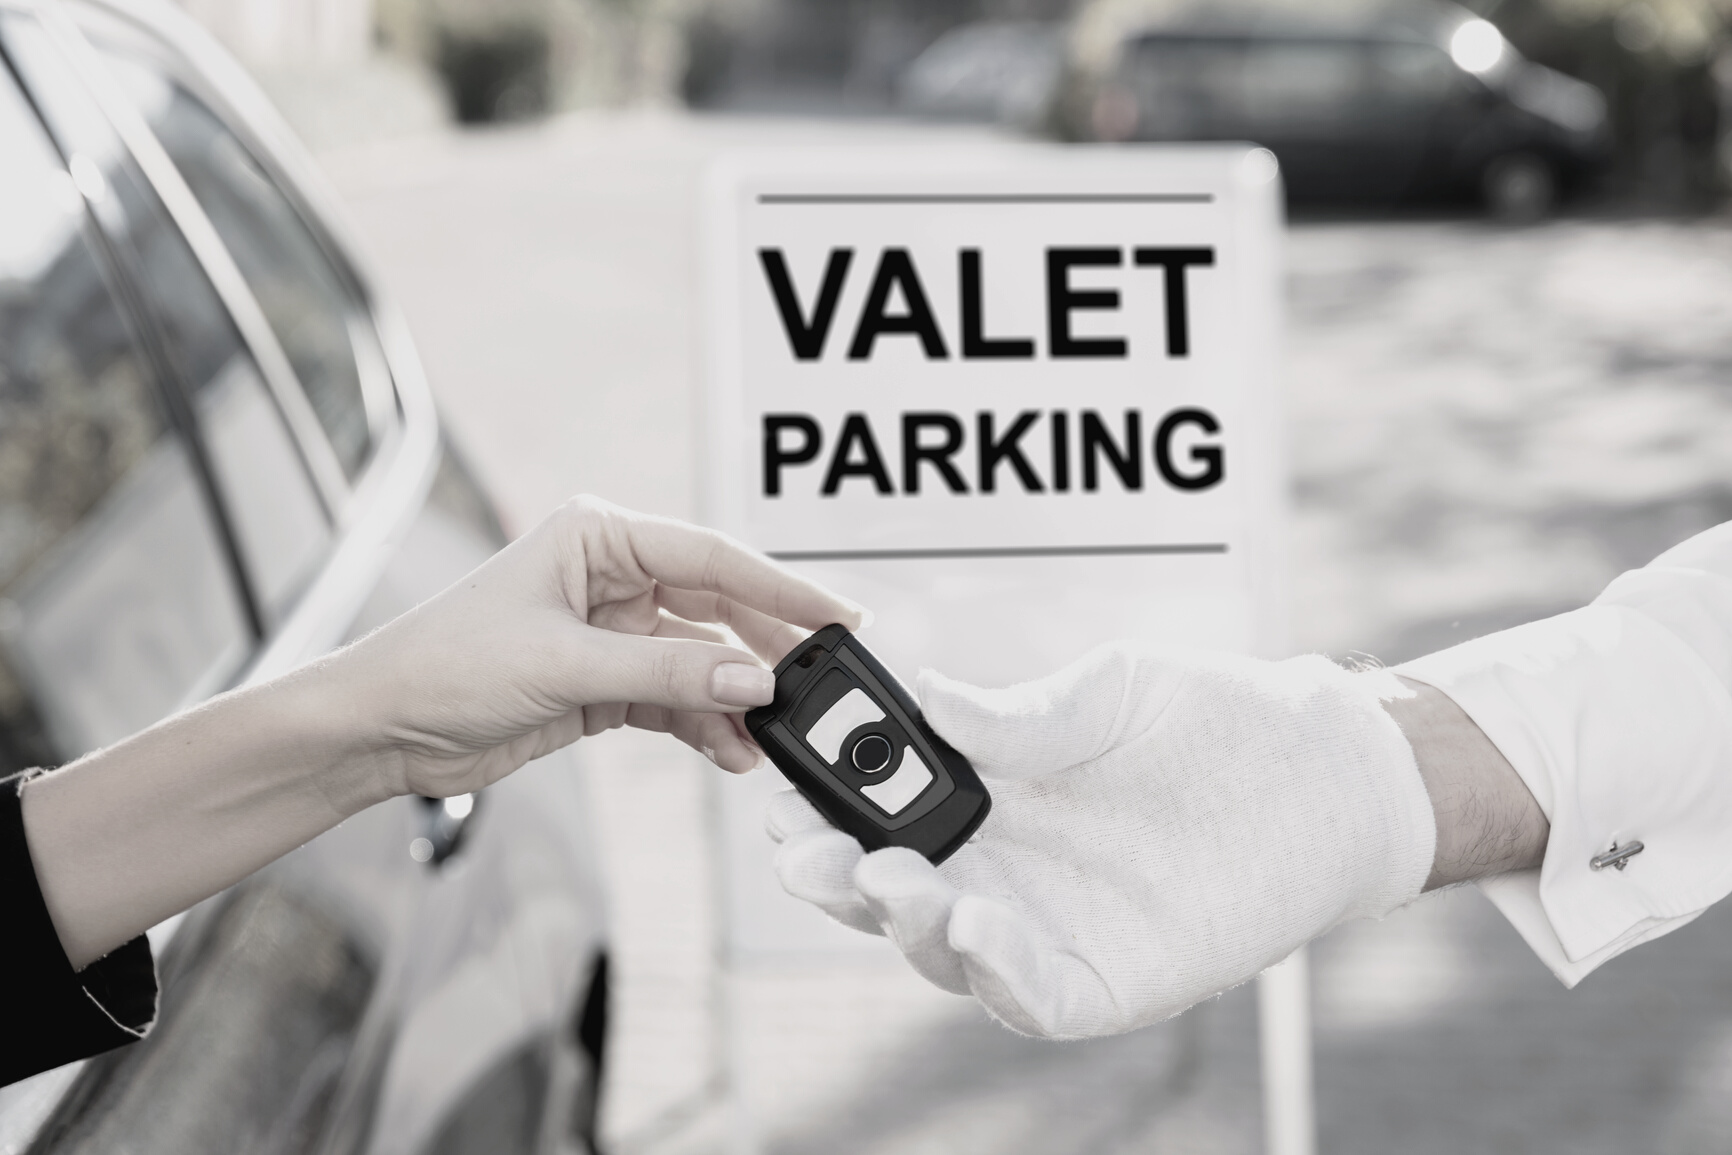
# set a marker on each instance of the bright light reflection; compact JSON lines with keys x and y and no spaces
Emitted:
{"x":1476,"y":47}
{"x":88,"y":177}
{"x":459,"y":806}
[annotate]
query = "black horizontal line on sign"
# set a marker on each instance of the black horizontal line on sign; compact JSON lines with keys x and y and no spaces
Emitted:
{"x":985,"y":198}
{"x":991,"y":552}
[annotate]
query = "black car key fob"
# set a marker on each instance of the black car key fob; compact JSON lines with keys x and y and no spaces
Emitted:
{"x":849,"y":738}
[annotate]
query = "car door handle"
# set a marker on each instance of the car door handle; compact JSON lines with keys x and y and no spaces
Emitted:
{"x":444,"y":821}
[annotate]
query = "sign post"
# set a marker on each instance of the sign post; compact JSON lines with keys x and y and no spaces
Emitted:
{"x":1019,"y":400}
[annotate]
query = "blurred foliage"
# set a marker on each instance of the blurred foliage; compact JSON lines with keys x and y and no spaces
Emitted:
{"x":1655,"y":61}
{"x":515,"y":59}
{"x":497,"y":73}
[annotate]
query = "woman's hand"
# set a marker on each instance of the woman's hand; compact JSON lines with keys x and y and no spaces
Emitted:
{"x":592,"y":620}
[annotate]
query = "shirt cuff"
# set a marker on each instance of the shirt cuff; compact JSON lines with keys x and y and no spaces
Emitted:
{"x":1623,"y":733}
{"x":1517,"y":898}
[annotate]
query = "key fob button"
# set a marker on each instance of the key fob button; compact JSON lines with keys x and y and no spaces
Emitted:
{"x":851,"y":710}
{"x":910,"y":781}
{"x":872,"y":753}
{"x":844,"y":731}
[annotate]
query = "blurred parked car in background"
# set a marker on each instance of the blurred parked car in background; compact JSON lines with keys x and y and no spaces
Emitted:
{"x":997,"y":71}
{"x":218,"y":459}
{"x":1412,"y":103}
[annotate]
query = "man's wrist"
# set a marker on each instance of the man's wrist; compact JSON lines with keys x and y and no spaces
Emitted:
{"x":1487,"y":820}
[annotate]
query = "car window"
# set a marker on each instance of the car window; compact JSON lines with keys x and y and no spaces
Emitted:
{"x":1412,"y":72}
{"x":270,"y":498}
{"x":1188,"y":88}
{"x":317,"y":318}
{"x":281,"y":526}
{"x":116,"y":598}
{"x":1298,"y":87}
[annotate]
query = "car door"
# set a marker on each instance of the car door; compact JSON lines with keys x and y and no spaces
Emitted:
{"x":127,"y":596}
{"x":313,"y":433}
{"x":127,"y":618}
{"x":517,"y":1071}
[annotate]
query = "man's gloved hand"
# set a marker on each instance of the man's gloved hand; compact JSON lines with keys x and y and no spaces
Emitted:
{"x":1165,"y":825}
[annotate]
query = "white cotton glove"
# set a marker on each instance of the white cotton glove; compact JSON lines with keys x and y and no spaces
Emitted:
{"x":1164,"y":825}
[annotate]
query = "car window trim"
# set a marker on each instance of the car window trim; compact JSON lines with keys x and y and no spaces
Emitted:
{"x":234,"y":93}
{"x":143,"y":326}
{"x":187,"y":66}
{"x":317,"y":456}
{"x":400,"y":473}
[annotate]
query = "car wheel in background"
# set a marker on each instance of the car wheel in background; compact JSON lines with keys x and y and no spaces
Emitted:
{"x":1519,"y":187}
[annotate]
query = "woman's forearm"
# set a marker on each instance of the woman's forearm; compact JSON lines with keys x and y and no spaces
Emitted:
{"x":132,"y":834}
{"x":596,"y":618}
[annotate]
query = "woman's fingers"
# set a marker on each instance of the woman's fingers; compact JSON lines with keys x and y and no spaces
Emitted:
{"x":638,"y":614}
{"x":691,"y":558}
{"x":769,"y":638}
{"x":678,"y":627}
{"x":600,"y":718}
{"x":678,"y":673}
{"x":717,"y":737}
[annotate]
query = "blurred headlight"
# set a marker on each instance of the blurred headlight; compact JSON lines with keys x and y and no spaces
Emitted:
{"x":1476,"y":47}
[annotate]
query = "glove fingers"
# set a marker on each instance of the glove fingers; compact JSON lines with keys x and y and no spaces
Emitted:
{"x":912,"y":902}
{"x":1026,"y":982}
{"x":788,"y":813}
{"x":1032,"y":729}
{"x":817,"y":866}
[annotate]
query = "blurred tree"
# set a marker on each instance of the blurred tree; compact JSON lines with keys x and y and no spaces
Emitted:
{"x":1655,"y":61}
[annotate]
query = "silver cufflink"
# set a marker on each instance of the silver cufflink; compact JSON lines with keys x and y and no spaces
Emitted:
{"x":1617,"y":857}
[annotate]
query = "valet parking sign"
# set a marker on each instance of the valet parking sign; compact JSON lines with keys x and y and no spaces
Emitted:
{"x":1019,"y":401}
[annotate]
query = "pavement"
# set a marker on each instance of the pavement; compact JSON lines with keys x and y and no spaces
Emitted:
{"x":1487,"y":424}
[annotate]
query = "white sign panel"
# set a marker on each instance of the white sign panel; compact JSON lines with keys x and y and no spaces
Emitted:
{"x":1019,"y":401}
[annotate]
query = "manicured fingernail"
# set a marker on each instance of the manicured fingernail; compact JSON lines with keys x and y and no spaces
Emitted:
{"x":737,"y":684}
{"x":866,"y":616}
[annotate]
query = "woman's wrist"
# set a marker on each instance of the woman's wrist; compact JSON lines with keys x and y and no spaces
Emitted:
{"x":336,"y":711}
{"x":129,"y":835}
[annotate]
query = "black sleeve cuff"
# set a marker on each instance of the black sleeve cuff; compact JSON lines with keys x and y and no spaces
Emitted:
{"x":52,"y":1013}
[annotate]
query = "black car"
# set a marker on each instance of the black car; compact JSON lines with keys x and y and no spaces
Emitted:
{"x":1416,"y":103}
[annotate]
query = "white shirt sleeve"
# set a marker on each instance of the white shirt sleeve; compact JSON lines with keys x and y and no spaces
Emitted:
{"x":1618,"y":716}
